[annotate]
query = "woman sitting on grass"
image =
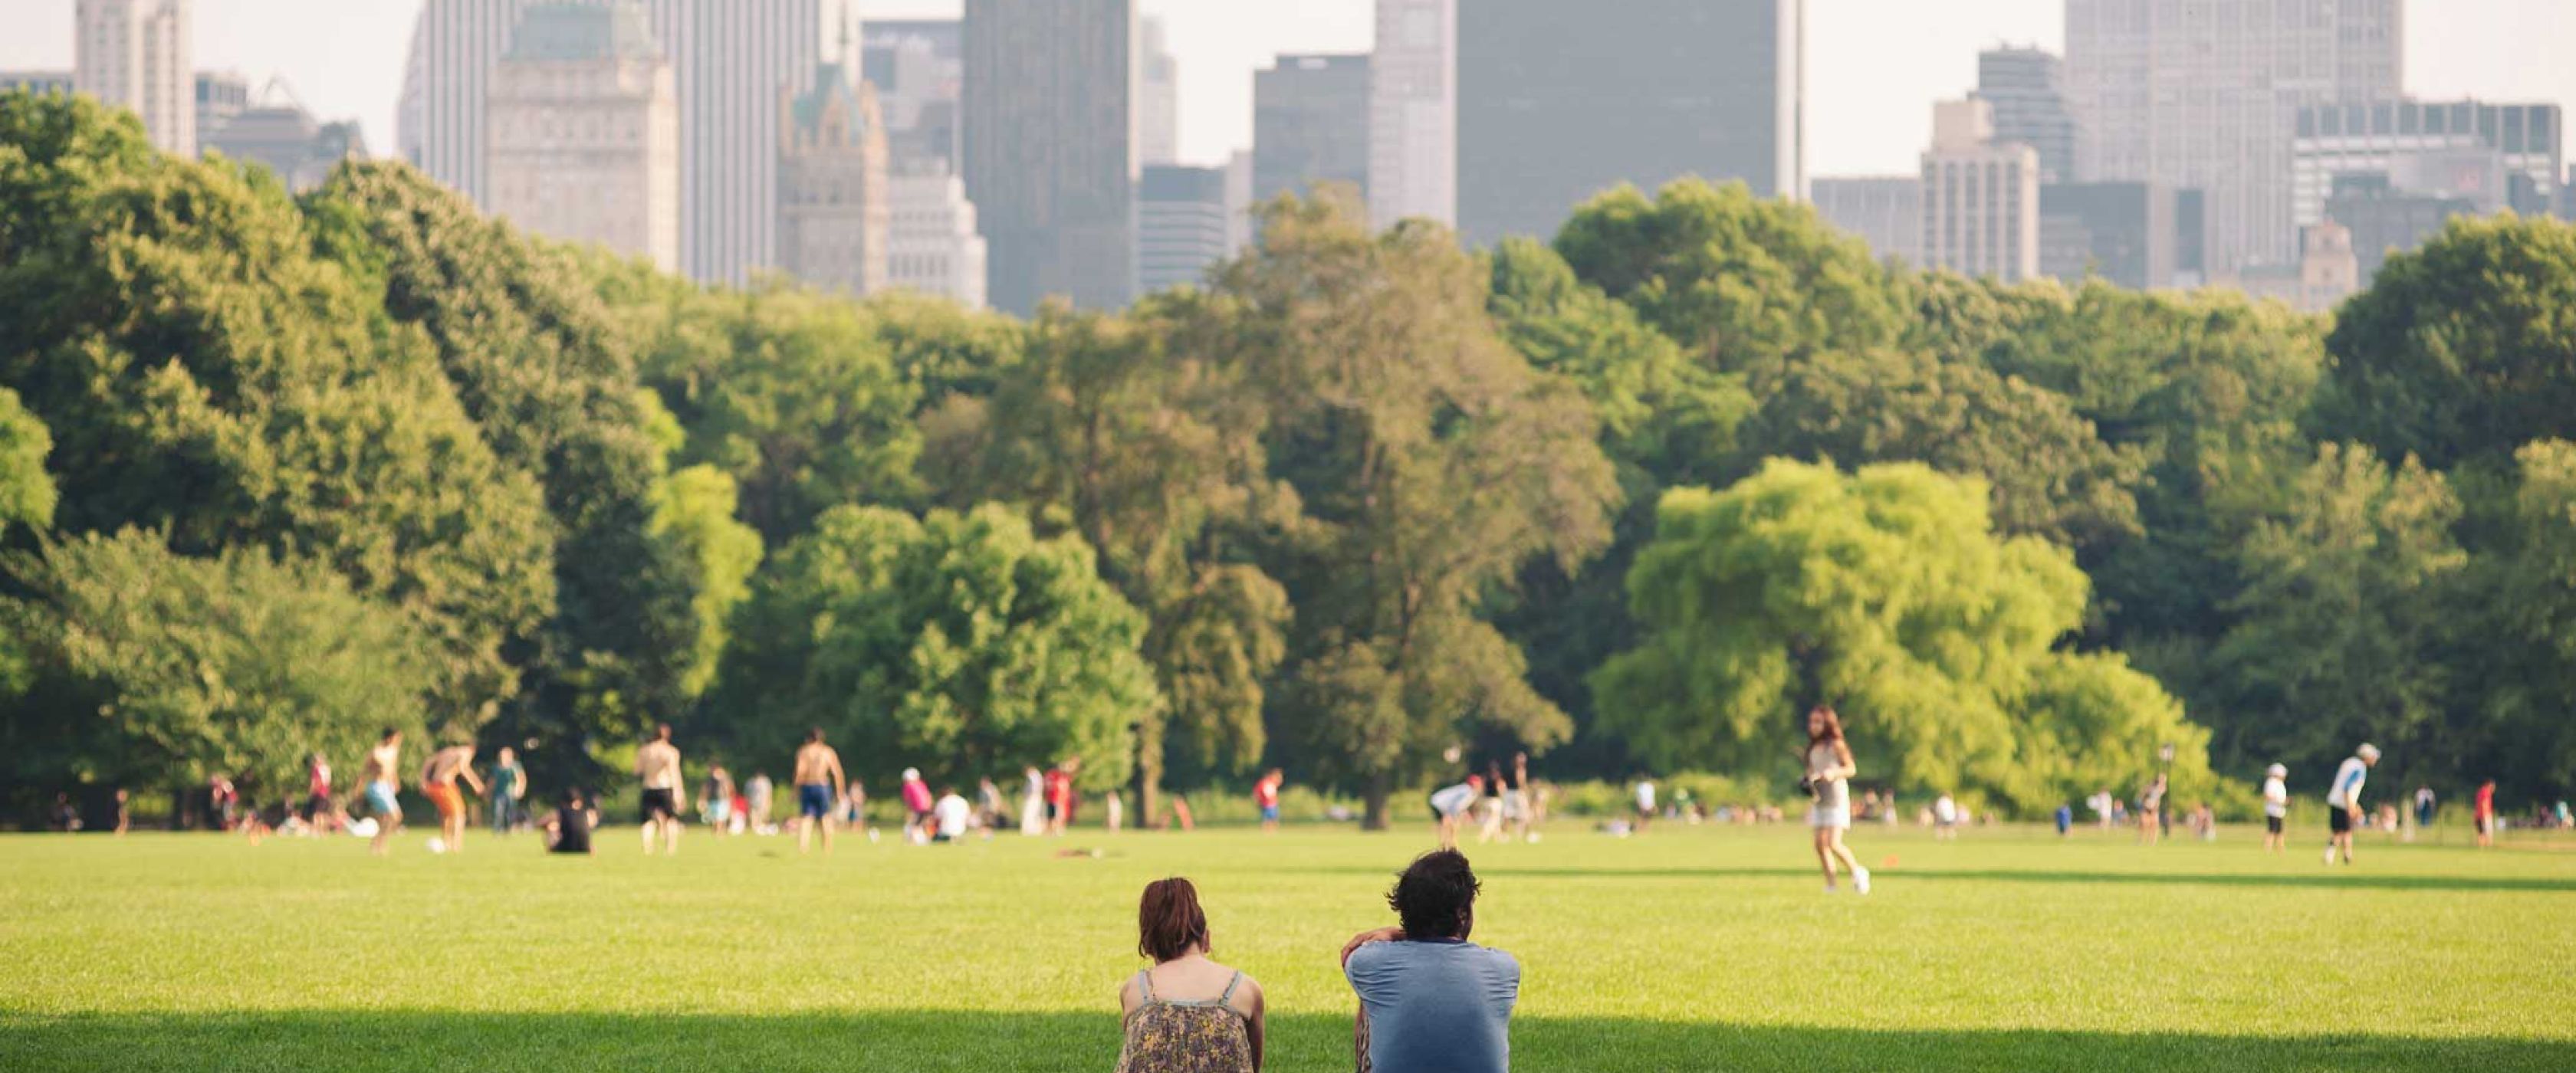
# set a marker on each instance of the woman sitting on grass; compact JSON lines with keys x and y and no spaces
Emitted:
{"x":1186,"y":1014}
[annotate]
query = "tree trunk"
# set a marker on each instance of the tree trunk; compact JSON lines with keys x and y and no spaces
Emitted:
{"x":1373,"y":797}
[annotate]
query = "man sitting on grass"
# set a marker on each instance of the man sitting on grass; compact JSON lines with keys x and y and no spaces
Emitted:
{"x":1429,"y":999}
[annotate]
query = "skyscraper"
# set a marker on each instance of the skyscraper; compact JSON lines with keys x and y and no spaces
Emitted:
{"x":2206,"y":94}
{"x":1050,"y":147}
{"x":584,"y":131}
{"x":1560,"y":101}
{"x":1180,"y":224}
{"x":729,"y":59}
{"x":2451,"y":148}
{"x":1885,"y":211}
{"x":1158,"y":100}
{"x":834,"y":209}
{"x":1310,"y":124}
{"x":137,"y":55}
{"x":1413,"y":112}
{"x":1980,"y":196}
{"x":918,"y":69}
{"x":936,"y":248}
{"x":2027,"y":86}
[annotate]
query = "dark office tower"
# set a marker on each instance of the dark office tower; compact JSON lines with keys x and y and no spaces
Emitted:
{"x":1310,"y":124}
{"x":1050,"y":148}
{"x":2027,"y":86}
{"x":1558,"y":101}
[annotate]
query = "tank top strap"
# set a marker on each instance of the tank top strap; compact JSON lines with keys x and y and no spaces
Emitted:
{"x":1145,"y":985}
{"x":1228,"y":997}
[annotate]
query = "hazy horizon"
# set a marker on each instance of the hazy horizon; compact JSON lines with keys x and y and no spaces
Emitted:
{"x":1874,"y":66}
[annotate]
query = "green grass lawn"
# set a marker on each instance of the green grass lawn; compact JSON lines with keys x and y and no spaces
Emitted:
{"x":1691,"y":948}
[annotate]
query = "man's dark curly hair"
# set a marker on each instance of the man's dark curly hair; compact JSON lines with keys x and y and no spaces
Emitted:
{"x":1436,"y":896}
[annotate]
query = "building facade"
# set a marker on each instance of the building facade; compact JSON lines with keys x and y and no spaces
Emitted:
{"x":37,"y":82}
{"x":1413,"y":113}
{"x":1560,"y":101}
{"x":2206,"y":94}
{"x":273,"y":130}
{"x":1158,"y":99}
{"x":2502,"y":156}
{"x":1310,"y":124}
{"x":835,"y":216}
{"x":1049,"y":138}
{"x":918,"y":69}
{"x":1980,"y":196}
{"x":935,"y":247}
{"x":2027,"y":87}
{"x":729,"y":59}
{"x":138,"y":55}
{"x":1885,"y":211}
{"x":2123,"y":233}
{"x":2326,"y":273}
{"x":2385,"y":219}
{"x":1180,"y":225}
{"x":584,"y":131}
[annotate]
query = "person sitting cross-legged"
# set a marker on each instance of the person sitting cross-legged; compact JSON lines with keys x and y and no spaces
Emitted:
{"x":1429,"y":999}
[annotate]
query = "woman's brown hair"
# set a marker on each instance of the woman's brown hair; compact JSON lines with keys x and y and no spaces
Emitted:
{"x":1833,"y":726}
{"x":1169,"y":921}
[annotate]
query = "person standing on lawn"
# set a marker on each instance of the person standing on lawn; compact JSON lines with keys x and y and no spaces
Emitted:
{"x":438,"y":783}
{"x":1265,"y":793}
{"x":509,"y":787}
{"x":2484,"y":816}
{"x":2276,"y":806}
{"x":657,"y":766}
{"x":384,"y":802}
{"x":2343,"y":801}
{"x":1829,"y":772}
{"x":819,"y":785}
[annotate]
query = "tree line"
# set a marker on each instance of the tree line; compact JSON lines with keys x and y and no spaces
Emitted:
{"x":277,"y":472}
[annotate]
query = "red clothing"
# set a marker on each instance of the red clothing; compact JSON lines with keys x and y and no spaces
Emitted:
{"x":2486,"y":802}
{"x":916,"y":795}
{"x":1265,"y":793}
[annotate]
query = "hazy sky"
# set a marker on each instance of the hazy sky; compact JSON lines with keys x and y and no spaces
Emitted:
{"x":1875,"y":66}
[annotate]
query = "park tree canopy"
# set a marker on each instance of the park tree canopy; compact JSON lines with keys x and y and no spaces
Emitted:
{"x":1887,"y":594}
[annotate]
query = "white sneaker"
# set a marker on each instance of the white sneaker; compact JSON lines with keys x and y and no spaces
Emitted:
{"x":2329,"y":854}
{"x":1860,"y":880}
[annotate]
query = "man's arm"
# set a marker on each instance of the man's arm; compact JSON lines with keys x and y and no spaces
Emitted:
{"x":470,"y":780}
{"x":1373,"y":935}
{"x":840,"y":781}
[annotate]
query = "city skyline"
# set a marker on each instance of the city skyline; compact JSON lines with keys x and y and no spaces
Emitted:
{"x":1871,"y":80}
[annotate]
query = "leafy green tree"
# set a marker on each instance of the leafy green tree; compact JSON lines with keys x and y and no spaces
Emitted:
{"x":1737,"y":280}
{"x":2339,"y":637}
{"x":534,"y":355}
{"x":1432,"y":464}
{"x":694,"y":508}
{"x":1154,"y":456}
{"x":162,"y":669}
{"x":2519,"y":654}
{"x":2461,"y":350}
{"x":203,"y":373}
{"x":1887,"y":594}
{"x":960,"y":644}
{"x":26,"y":494}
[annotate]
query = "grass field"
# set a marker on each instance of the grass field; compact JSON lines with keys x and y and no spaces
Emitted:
{"x":1686,"y":949}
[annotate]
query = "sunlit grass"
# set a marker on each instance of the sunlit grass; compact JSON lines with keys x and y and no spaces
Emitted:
{"x":1690,"y":948}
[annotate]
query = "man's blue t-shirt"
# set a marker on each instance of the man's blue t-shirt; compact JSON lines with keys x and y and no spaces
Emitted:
{"x":1436,"y":1005}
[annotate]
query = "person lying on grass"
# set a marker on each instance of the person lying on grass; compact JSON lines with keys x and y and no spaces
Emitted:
{"x":1429,"y":999}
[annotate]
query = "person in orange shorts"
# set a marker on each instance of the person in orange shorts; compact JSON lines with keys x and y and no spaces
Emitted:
{"x":438,"y":783}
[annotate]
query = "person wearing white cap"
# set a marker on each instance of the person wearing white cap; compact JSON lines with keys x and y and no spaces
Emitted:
{"x":2276,"y":806}
{"x":2343,"y":801}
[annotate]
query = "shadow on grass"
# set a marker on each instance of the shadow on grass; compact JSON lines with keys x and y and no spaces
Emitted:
{"x":910,"y":1040}
{"x":2343,"y":878}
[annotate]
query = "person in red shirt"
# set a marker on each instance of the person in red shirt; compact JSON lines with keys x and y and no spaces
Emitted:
{"x":1265,"y":793}
{"x":916,"y":808}
{"x":2486,"y":814}
{"x":1059,"y":794}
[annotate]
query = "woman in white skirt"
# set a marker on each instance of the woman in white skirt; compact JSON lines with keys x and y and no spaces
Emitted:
{"x":1829,"y":772}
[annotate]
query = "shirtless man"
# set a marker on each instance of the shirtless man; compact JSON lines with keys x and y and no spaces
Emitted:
{"x":819,"y":783}
{"x":383,"y":762}
{"x":657,"y":765}
{"x":438,"y":783}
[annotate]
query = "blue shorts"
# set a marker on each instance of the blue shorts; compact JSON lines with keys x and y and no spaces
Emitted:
{"x":1269,"y":813}
{"x":380,"y":799}
{"x":814,"y":799}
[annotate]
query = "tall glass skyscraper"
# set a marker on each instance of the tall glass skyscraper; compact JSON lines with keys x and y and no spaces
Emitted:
{"x":1050,"y":152}
{"x":1559,"y":101}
